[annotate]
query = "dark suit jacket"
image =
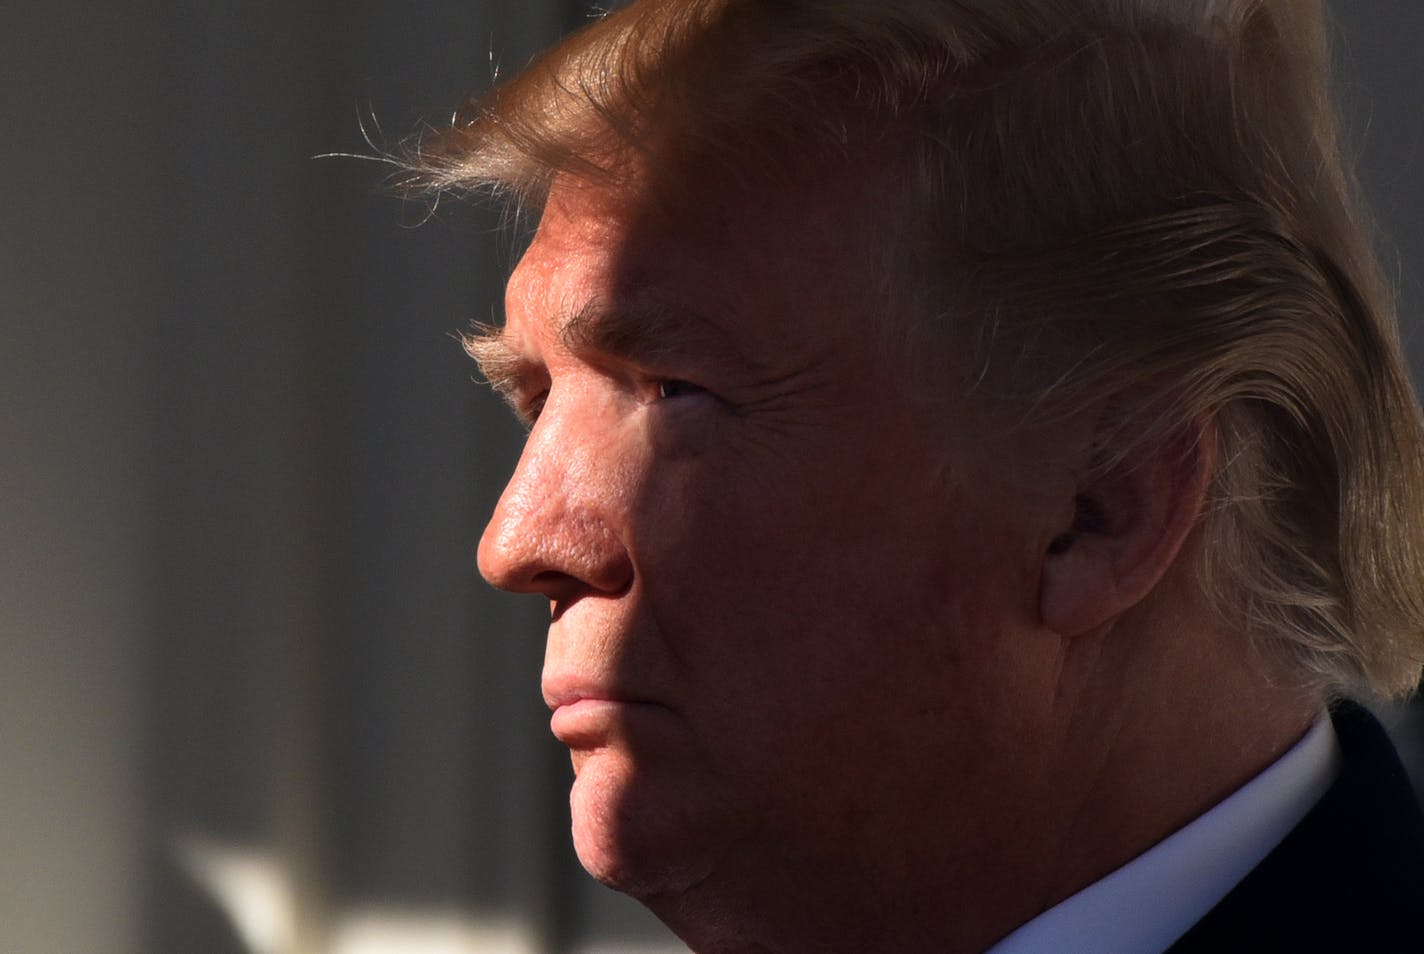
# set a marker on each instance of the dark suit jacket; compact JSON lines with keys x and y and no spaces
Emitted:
{"x":1349,"y":877}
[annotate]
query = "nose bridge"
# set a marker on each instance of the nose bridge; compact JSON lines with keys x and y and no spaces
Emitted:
{"x":556,"y":521}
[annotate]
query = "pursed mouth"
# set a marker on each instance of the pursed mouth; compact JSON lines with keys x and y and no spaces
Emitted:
{"x":560,"y":691}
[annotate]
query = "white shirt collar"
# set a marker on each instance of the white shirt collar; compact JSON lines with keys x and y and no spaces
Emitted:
{"x":1147,"y":904}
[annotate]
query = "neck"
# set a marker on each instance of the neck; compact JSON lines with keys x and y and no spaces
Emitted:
{"x":1164,"y":714}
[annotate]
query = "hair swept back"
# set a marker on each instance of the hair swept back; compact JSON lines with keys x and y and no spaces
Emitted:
{"x":1148,"y":199}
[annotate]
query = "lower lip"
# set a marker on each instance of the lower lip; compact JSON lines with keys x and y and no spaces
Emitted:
{"x":593,"y":722}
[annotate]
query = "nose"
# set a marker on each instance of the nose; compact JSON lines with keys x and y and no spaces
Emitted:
{"x":555,"y":528}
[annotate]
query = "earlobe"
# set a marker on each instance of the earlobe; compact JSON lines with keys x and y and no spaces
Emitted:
{"x":1128,"y":526}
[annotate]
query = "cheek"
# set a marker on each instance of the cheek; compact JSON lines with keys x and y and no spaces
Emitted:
{"x":812,"y":585}
{"x":827,"y":634}
{"x":801,"y":567}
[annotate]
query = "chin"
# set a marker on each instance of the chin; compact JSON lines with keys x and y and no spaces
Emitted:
{"x":640,"y":835}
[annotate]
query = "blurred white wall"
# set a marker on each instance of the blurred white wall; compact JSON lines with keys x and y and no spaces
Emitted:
{"x":78,"y":292}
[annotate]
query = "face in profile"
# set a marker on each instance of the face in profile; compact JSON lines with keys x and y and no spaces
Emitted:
{"x":782,"y":608}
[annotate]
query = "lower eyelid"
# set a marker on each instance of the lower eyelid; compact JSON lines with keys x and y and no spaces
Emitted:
{"x":675,"y":387}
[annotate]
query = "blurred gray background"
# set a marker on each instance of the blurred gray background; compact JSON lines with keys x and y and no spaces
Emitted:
{"x":252,"y":692}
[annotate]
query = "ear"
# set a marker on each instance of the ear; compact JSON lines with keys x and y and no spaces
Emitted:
{"x":1126,"y":529}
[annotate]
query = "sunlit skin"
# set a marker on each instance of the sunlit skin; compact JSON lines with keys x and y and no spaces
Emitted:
{"x":820,"y":689}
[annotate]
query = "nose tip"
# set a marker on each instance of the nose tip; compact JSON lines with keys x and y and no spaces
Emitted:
{"x":496,"y":563}
{"x":544,"y":542}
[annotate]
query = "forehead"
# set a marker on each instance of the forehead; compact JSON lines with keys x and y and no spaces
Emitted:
{"x":593,"y":245}
{"x":754,"y":261}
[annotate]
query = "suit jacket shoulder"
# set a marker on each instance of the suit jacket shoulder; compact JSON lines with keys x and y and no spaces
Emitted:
{"x":1349,"y":877}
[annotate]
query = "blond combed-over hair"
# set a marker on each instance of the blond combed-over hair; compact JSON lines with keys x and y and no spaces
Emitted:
{"x":1143,"y":204}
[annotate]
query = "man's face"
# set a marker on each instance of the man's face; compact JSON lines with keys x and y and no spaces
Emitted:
{"x":783,"y":613}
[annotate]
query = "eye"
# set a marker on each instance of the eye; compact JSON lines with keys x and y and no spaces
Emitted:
{"x":528,"y":410}
{"x":673,"y":388}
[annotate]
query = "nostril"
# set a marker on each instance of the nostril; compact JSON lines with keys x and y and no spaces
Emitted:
{"x":561,"y":589}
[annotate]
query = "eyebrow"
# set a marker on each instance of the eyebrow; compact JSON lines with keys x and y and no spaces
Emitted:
{"x":643,"y":334}
{"x":503,"y":366}
{"x":648,"y":334}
